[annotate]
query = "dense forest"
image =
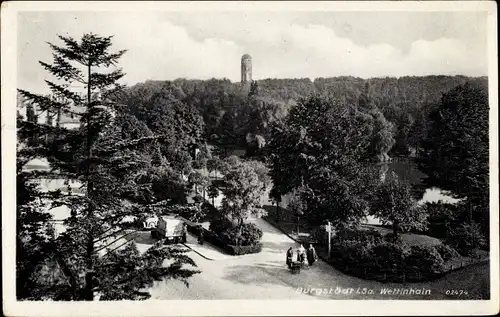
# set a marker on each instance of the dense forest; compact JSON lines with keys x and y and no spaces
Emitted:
{"x":236,"y":115}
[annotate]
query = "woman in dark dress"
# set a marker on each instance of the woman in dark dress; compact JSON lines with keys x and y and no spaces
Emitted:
{"x":289,"y":257}
{"x":200,"y":236}
{"x":311,"y":255}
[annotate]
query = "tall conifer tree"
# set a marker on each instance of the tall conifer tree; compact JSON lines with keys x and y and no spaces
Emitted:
{"x":108,"y":154}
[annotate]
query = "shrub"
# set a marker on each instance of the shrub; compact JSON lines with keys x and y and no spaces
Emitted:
{"x":244,"y":235}
{"x":353,"y":254}
{"x":446,"y":252}
{"x":441,"y":217}
{"x":367,"y":236}
{"x":136,"y":223}
{"x":191,"y":212}
{"x":466,"y":238}
{"x":425,"y":259}
{"x":247,"y":249}
{"x":220,"y":225}
{"x":208,"y":209}
{"x":367,"y":254}
{"x":214,"y":239}
{"x":389,"y":255}
{"x":319,"y":235}
{"x":198,"y":199}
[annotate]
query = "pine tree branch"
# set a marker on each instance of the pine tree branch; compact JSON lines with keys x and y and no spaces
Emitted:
{"x":63,"y":70}
{"x":61,"y":91}
{"x":73,"y":51}
{"x":109,"y":235}
{"x":116,"y":248}
{"x":104,"y":80}
{"x":125,"y":235}
{"x":47,"y":103}
{"x":67,"y":271}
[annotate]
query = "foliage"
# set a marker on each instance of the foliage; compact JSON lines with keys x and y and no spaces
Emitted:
{"x":243,"y":249}
{"x":404,"y":101}
{"x":262,"y":172}
{"x":137,"y":271}
{"x":388,"y":255}
{"x":351,"y":254}
{"x":425,"y":258}
{"x":242,"y":192}
{"x":321,"y":147}
{"x":382,"y":137}
{"x":214,"y":164}
{"x":466,"y":238}
{"x":245,"y":235}
{"x":446,"y":252}
{"x":370,"y":236}
{"x":394,"y":204}
{"x":212,"y":192}
{"x":112,"y":156}
{"x":35,"y":235}
{"x":168,"y":185}
{"x":365,"y":253}
{"x":443,"y":217}
{"x":220,"y":237}
{"x":200,"y":181}
{"x":179,"y":124}
{"x":220,"y":224}
{"x":455,"y":156}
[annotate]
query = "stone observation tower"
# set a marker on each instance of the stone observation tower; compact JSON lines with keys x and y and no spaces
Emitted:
{"x":246,"y":68}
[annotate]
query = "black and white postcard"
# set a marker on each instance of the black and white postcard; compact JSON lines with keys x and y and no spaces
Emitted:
{"x":249,"y":158}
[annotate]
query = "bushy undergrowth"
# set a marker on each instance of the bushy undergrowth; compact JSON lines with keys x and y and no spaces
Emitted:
{"x":466,"y":239}
{"x":369,"y":254}
{"x":234,"y":239}
{"x":245,"y":235}
{"x":447,"y":252}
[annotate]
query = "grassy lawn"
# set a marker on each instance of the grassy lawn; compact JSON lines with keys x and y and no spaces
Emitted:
{"x":409,"y":238}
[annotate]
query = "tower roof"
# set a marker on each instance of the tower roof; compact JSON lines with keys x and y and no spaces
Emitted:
{"x":246,"y":56}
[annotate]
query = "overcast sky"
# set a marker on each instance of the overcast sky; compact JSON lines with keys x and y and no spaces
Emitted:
{"x":202,"y":45}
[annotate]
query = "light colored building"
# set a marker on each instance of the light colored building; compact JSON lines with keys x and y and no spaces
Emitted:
{"x":246,"y":69}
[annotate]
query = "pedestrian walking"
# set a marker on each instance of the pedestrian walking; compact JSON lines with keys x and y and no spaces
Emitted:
{"x":289,"y":257}
{"x":301,"y":254}
{"x":200,"y":236}
{"x":311,"y":255}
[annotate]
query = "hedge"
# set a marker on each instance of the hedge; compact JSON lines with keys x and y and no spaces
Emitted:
{"x":246,"y":235}
{"x":466,"y":239}
{"x":446,"y":252}
{"x":368,"y":255}
{"x":243,"y":249}
{"x":215,"y":239}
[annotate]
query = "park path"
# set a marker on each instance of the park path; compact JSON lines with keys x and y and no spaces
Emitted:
{"x":265,"y":276}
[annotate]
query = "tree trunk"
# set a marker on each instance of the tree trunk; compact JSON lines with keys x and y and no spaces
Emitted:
{"x":277,"y":211}
{"x":395,"y":231}
{"x":89,"y":274}
{"x":240,"y":227}
{"x":298,"y":222}
{"x":67,"y":271}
